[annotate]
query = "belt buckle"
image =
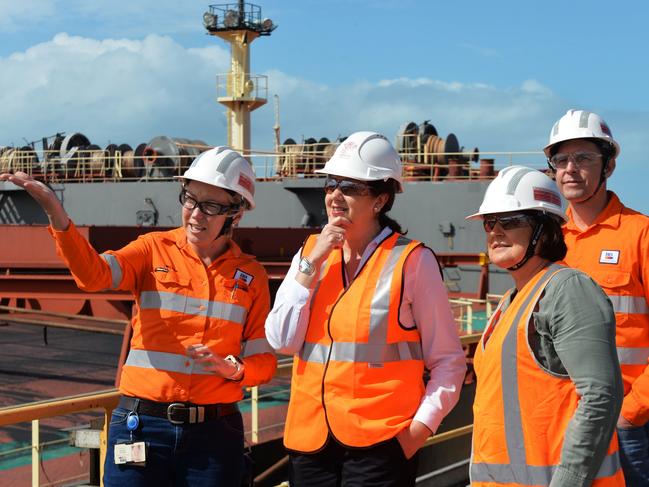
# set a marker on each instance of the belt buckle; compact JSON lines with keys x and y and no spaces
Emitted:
{"x":170,"y":410}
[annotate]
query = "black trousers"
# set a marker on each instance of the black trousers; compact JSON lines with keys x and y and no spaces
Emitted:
{"x":381,"y":465}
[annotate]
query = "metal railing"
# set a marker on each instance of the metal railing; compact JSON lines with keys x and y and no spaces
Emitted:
{"x":464,"y":312}
{"x":242,"y":86}
{"x":36,"y":411}
{"x":289,"y":161}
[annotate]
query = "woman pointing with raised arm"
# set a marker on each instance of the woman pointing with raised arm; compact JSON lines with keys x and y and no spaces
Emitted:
{"x":198,"y":334}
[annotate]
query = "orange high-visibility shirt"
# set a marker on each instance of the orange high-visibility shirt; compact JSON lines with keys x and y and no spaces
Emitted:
{"x":614,"y":251}
{"x":180,"y":302}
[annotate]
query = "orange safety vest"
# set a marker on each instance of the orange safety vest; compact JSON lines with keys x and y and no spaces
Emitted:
{"x":359,"y":374}
{"x":521,"y":412}
{"x":180,"y":302}
{"x":614,"y":251}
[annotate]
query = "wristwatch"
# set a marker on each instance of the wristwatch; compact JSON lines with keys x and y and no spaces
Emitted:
{"x":306,"y":267}
{"x":238,"y":375}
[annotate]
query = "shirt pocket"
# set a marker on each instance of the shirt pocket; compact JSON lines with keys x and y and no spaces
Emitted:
{"x":170,"y":293}
{"x":231,"y":302}
{"x":615,"y":284}
{"x":235,"y":292}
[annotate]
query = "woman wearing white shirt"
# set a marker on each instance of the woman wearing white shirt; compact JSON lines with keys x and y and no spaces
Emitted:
{"x":364,"y":310}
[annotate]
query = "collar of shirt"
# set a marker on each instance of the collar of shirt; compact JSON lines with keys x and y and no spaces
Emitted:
{"x":610,"y":216}
{"x":232,"y":251}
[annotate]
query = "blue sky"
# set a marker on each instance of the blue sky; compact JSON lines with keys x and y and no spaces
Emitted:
{"x":496,"y":74}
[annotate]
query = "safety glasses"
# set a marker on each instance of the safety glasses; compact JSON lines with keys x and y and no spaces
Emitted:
{"x":208,"y":208}
{"x":508,"y":222}
{"x":580,"y":159}
{"x":348,"y":188}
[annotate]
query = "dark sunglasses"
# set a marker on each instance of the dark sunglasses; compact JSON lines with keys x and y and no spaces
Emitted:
{"x":348,"y":188}
{"x":208,"y":208}
{"x":509,"y":222}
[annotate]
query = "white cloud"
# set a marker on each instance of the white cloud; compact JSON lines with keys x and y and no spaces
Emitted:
{"x":116,"y":89}
{"x":532,"y":86}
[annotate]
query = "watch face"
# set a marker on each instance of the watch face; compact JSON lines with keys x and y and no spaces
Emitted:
{"x":306,"y":267}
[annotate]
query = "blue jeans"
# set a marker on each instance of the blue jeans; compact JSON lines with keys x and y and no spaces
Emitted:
{"x":196,"y":455}
{"x":634,"y":455}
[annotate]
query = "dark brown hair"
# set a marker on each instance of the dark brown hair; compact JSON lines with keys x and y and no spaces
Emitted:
{"x":551,"y":245}
{"x":388,"y":187}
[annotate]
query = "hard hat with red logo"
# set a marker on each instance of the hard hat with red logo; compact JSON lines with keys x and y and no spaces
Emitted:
{"x":581,"y":124}
{"x":224,"y":168}
{"x":365,"y":156}
{"x":519,"y":188}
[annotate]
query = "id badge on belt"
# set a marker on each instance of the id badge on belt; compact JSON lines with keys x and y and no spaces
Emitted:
{"x":133,"y":453}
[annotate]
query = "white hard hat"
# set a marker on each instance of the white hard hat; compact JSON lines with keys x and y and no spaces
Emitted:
{"x":365,"y":156}
{"x":580,"y":124}
{"x":518,"y":188}
{"x":224,"y":168}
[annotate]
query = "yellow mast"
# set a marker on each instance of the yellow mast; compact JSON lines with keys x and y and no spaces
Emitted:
{"x":241,"y":92}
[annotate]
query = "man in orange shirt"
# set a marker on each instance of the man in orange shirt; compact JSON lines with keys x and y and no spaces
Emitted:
{"x":198,"y":334}
{"x":610,"y":243}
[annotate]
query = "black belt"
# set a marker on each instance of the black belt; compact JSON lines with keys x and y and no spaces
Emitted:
{"x":178,"y":412}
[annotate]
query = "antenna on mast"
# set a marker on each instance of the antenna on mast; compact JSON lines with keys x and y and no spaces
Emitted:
{"x":276,"y":126}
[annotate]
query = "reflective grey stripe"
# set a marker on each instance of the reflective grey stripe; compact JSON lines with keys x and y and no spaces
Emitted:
{"x":361,"y":352}
{"x":115,"y":269}
{"x":253,"y":347}
{"x":169,"y":362}
{"x":380,"y":305}
{"x":513,"y":182}
{"x":226,"y":162}
{"x":583,"y":120}
{"x":192,"y":306}
{"x":555,"y":128}
{"x":515,"y":474}
{"x":629,"y":304}
{"x":534,"y":475}
{"x":509,"y":375}
{"x":633,"y":356}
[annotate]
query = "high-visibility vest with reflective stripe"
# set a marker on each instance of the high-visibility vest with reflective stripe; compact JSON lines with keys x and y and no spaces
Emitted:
{"x":521,"y":412}
{"x":157,"y":364}
{"x":359,"y":374}
{"x":613,"y":252}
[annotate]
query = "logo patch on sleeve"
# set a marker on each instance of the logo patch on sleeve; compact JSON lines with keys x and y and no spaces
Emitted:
{"x":609,"y":257}
{"x":243,"y":276}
